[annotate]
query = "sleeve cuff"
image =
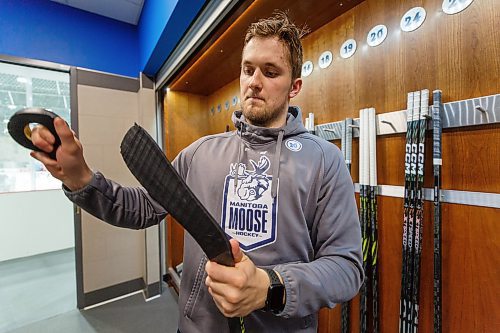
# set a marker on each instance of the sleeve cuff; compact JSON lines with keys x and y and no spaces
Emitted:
{"x":71,"y":194}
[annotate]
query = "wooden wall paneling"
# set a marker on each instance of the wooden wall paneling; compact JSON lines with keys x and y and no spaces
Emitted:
{"x":329,"y":320}
{"x":451,"y":52}
{"x":219,"y":121}
{"x":175,"y":242}
{"x":471,"y":159}
{"x":468,"y":51}
{"x":186,"y":116}
{"x":185,"y":120}
{"x":335,"y":80}
{"x":471,"y":267}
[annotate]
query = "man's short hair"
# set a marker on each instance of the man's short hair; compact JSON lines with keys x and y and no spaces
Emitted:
{"x":279,"y":25}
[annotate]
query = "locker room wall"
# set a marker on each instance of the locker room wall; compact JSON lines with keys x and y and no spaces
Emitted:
{"x":458,"y":54}
{"x":112,"y":261}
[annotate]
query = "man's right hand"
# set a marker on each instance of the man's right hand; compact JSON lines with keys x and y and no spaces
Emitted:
{"x":70,"y":166}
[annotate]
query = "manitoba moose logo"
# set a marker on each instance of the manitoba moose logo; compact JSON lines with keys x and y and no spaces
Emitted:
{"x":249,"y":211}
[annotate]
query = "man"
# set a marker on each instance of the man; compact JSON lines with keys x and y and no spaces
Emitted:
{"x":283,"y":195}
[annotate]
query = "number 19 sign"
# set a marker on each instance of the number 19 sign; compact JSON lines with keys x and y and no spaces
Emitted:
{"x":348,"y":48}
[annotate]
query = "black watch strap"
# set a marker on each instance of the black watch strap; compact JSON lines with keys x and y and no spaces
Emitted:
{"x":273,"y":276}
{"x":275,"y":293}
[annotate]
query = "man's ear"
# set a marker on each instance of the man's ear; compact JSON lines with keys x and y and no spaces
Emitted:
{"x":295,"y":88}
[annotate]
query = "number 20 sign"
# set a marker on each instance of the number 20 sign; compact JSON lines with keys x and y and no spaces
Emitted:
{"x":377,"y":35}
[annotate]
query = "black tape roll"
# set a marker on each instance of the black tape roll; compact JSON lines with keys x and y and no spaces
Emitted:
{"x":20,"y":131}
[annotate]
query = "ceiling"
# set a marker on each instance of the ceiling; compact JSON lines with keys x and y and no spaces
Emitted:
{"x":217,"y":63}
{"x":128,"y":11}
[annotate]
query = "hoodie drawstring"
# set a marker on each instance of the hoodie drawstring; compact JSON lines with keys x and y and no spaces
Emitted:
{"x":240,"y":148}
{"x":276,"y":164}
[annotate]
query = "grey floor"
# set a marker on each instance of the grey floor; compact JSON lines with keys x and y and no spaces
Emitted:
{"x":128,"y":315}
{"x":27,"y":304}
{"x":36,"y":287}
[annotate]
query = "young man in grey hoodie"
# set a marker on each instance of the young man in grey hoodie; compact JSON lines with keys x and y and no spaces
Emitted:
{"x":283,"y":195}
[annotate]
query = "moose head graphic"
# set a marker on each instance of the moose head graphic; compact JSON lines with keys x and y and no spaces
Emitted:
{"x":253,"y":182}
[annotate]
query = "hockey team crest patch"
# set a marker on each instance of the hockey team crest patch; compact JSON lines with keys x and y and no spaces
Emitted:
{"x":293,"y":145}
{"x":249,"y":213}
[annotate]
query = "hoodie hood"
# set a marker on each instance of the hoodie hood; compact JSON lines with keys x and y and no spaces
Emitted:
{"x":263,"y":135}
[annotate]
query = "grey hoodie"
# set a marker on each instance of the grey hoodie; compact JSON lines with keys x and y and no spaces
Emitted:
{"x":284,"y":194}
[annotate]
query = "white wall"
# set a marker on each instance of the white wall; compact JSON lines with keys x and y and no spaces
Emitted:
{"x":35,"y":222}
{"x":110,"y":255}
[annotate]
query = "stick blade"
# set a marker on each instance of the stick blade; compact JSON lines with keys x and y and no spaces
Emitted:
{"x":155,"y":173}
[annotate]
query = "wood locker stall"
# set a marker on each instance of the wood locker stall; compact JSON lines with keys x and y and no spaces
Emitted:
{"x":458,"y":54}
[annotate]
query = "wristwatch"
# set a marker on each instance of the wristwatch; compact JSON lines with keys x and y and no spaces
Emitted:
{"x":275,"y":293}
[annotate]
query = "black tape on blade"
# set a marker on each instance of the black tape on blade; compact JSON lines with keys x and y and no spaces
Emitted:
{"x":20,"y":131}
{"x":156,"y":174}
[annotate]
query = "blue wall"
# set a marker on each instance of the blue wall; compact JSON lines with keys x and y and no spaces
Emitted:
{"x":45,"y":30}
{"x":154,"y":18}
{"x":161,"y":26}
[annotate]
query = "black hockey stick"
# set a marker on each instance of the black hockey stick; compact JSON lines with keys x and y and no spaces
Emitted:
{"x":364,"y":211}
{"x":408,"y":198}
{"x":419,"y":208}
{"x":372,"y":132}
{"x":437,"y":162}
{"x":347,"y":152}
{"x":19,"y":127}
{"x":156,"y":174}
{"x":348,"y":147}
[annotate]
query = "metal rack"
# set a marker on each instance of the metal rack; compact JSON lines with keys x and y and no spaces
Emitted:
{"x":470,"y":112}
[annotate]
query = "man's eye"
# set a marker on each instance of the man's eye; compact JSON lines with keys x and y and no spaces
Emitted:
{"x":247,"y":71}
{"x":271,"y":74}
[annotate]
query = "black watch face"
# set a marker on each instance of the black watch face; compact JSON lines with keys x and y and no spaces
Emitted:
{"x":276,"y":299}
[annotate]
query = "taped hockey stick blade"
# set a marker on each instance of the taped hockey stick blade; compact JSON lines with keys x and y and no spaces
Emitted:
{"x":156,"y":174}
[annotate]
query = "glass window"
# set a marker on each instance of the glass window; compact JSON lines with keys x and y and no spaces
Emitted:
{"x":21,"y":87}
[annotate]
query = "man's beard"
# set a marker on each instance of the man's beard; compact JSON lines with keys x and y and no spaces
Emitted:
{"x":262,"y":117}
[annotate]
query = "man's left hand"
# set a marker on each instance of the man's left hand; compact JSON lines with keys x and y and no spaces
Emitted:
{"x":238,"y":290}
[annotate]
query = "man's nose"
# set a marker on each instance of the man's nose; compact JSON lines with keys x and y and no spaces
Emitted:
{"x":256,"y":80}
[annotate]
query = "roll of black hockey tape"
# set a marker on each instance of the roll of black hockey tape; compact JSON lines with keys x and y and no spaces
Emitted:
{"x":20,"y":130}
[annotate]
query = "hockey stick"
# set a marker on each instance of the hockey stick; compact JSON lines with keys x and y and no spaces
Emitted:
{"x":372,"y":131}
{"x":408,"y":194}
{"x":348,"y":147}
{"x":364,"y":213}
{"x":437,"y":162}
{"x":413,"y":208}
{"x":152,"y":169}
{"x":419,"y":205}
{"x":347,"y":152}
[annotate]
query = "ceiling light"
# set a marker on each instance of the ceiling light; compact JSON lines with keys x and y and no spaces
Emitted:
{"x":21,"y":79}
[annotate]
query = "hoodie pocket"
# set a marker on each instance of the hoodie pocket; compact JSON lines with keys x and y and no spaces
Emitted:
{"x":195,"y":290}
